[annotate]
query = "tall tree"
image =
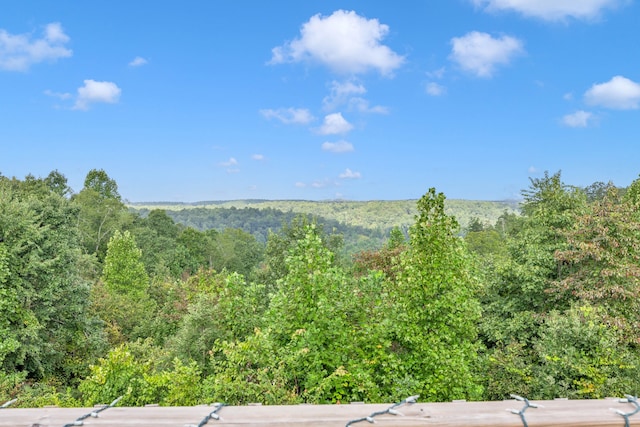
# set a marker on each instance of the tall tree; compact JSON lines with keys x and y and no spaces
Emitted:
{"x":46,"y":328}
{"x":124,"y":271}
{"x":101,"y":212}
{"x":436,"y":309}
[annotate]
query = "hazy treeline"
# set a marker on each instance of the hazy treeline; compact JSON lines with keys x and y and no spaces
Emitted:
{"x":262,"y":222}
{"x":98,"y":302}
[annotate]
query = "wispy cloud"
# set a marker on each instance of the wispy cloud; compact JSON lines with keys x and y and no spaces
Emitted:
{"x":138,"y":61}
{"x":345,"y":42}
{"x":619,"y":93}
{"x":435,"y":89}
{"x":299,"y":116}
{"x":335,"y":124}
{"x":341,"y":92}
{"x":60,"y":95}
{"x":338,"y":147}
{"x":228,"y":163}
{"x":19,"y":52}
{"x":436,"y":74}
{"x":258,"y":157}
{"x":480,"y":53}
{"x":96,"y":92}
{"x":349,"y":174}
{"x":554,"y":10}
{"x":579,"y":119}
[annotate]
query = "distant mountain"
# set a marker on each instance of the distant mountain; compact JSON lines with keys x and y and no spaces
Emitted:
{"x":364,"y":224}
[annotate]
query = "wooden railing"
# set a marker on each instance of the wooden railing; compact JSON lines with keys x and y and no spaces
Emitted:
{"x":512,"y":413}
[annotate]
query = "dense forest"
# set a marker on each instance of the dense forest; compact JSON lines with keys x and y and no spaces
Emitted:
{"x":362,"y":223}
{"x":98,"y":301}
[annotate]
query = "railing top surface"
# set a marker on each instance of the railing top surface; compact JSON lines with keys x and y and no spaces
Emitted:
{"x":580,"y":413}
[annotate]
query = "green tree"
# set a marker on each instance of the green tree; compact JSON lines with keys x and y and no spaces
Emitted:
{"x":602,"y":262}
{"x":121,"y":297}
{"x":317,"y":343}
{"x":436,"y":309}
{"x":580,"y":355}
{"x":124,"y":271}
{"x":240,"y":252}
{"x":97,"y":180}
{"x":222,"y":306}
{"x":517,"y":297}
{"x":102,"y":212}
{"x":47,"y":331}
{"x":279,"y":245}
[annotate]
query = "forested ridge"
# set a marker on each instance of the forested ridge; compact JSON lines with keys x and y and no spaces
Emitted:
{"x":369,"y":216}
{"x":98,"y":301}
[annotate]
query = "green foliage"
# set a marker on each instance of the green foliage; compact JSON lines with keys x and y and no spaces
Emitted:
{"x":123,"y":271}
{"x":97,"y":180}
{"x":140,"y":380}
{"x":221,"y":307}
{"x":239,"y":251}
{"x":486,"y":243}
{"x":196,"y":316}
{"x":46,"y":329}
{"x":318,"y":343}
{"x":580,"y":356}
{"x":101,"y":212}
{"x":436,"y":309}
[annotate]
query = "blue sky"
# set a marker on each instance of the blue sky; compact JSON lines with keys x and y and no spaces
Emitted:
{"x":359,"y":100}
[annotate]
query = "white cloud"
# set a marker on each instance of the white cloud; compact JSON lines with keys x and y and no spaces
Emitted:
{"x":345,"y":93}
{"x":340,"y":94}
{"x":362,"y":105}
{"x":619,"y":93}
{"x":345,"y":42}
{"x":568,"y":96}
{"x":338,"y":147}
{"x":532,"y":170}
{"x":257,"y":157}
{"x":579,"y":119}
{"x":320,"y":184}
{"x":335,"y":124}
{"x":58,"y":95}
{"x":349,"y":174}
{"x":299,"y":116}
{"x":480,"y":53}
{"x":19,"y":52}
{"x":435,"y":89}
{"x":551,"y":10}
{"x":138,"y":61}
{"x":300,"y":184}
{"x":436,"y":74}
{"x":94,"y":92}
{"x":231,"y":162}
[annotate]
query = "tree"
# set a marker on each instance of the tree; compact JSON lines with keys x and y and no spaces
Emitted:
{"x":57,"y":183}
{"x":384,"y":259}
{"x":123,"y":271}
{"x":47,"y":331}
{"x":317,"y":342}
{"x":435,"y":307}
{"x":97,"y":180}
{"x":279,"y":245}
{"x":240,"y":252}
{"x":101,"y":212}
{"x":601,"y":264}
{"x":120,"y":298}
{"x":517,"y":297}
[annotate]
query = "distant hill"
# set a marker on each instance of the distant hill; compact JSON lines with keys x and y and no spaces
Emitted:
{"x":364,"y":224}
